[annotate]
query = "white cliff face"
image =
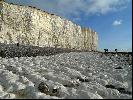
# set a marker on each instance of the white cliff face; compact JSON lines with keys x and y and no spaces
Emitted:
{"x":28,"y":25}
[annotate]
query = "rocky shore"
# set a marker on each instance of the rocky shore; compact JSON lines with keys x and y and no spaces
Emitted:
{"x":66,"y":75}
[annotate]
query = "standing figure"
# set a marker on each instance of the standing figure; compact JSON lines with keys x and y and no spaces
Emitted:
{"x":116,"y":50}
{"x":105,"y":50}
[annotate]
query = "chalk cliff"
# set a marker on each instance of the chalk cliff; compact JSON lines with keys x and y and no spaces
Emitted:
{"x":31,"y":26}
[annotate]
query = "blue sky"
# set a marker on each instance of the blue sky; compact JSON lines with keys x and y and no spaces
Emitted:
{"x":111,"y":19}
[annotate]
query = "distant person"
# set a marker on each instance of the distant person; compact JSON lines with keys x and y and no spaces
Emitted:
{"x":17,"y":44}
{"x":116,"y":50}
{"x":105,"y":50}
{"x":2,"y":54}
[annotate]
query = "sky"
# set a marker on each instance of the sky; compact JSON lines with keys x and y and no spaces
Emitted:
{"x":111,"y":19}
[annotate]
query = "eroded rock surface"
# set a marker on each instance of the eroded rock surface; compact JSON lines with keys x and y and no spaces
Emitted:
{"x":30,"y":26}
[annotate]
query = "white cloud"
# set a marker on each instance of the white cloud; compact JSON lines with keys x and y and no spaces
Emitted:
{"x":117,"y":22}
{"x":88,"y":7}
{"x":68,"y":8}
{"x":76,"y":19}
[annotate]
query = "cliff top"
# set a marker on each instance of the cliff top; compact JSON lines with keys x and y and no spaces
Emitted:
{"x":33,"y":7}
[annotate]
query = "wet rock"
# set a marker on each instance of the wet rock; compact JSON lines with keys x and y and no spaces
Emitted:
{"x":55,"y":92}
{"x":2,"y":54}
{"x":119,"y":68}
{"x":83,"y":79}
{"x":43,"y":87}
{"x":110,"y":86}
{"x":123,"y":91}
